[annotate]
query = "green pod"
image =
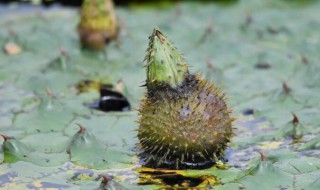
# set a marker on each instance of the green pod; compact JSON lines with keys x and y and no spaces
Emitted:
{"x":98,"y":23}
{"x":184,"y":120}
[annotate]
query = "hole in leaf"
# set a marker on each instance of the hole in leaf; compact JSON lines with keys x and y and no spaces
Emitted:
{"x":111,"y":99}
{"x":181,"y":181}
{"x":176,"y":179}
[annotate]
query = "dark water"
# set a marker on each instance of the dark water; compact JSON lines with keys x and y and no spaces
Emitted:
{"x":47,"y":2}
{"x":117,"y":2}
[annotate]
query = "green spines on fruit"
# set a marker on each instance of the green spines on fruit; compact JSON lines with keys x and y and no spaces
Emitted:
{"x":184,"y":121}
{"x":98,"y":23}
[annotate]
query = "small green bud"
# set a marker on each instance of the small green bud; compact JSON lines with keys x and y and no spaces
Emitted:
{"x":98,"y":23}
{"x":165,"y":64}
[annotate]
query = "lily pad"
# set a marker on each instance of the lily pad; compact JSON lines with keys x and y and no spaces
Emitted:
{"x":86,"y":150}
{"x":263,"y":54}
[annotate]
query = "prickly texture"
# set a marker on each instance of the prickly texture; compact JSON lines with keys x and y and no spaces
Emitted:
{"x":184,"y":125}
{"x":98,"y":23}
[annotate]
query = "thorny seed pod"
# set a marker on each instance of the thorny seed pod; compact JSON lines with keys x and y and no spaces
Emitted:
{"x":98,"y":24}
{"x":184,"y":120}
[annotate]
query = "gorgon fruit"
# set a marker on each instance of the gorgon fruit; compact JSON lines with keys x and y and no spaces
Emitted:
{"x":184,"y":120}
{"x":98,"y":24}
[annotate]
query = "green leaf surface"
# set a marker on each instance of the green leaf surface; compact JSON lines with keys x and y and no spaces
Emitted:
{"x":86,"y":150}
{"x":15,"y":151}
{"x":263,"y":54}
{"x":266,"y":176}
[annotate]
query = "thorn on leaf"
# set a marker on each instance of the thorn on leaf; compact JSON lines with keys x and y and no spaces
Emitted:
{"x":304,"y":59}
{"x":295,"y":120}
{"x":210,"y":64}
{"x":286,"y":88}
{"x":63,"y":52}
{"x":5,"y":137}
{"x":48,"y":91}
{"x":263,"y":157}
{"x":82,"y":129}
{"x":105,"y":178}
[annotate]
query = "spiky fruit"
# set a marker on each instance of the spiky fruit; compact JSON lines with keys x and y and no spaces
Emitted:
{"x":98,"y":23}
{"x":184,"y":121}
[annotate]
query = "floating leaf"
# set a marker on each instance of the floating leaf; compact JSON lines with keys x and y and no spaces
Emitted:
{"x":15,"y":151}
{"x":266,"y":176}
{"x":265,"y":45}
{"x":86,"y":150}
{"x":294,"y":129}
{"x":312,"y":144}
{"x":109,"y":183}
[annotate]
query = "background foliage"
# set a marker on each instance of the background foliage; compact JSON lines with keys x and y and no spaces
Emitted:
{"x":264,"y":54}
